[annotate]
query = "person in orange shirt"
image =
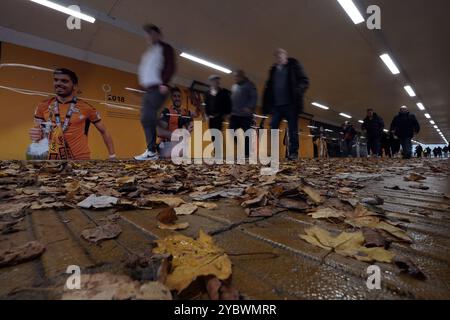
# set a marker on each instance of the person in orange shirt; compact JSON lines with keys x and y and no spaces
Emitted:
{"x":71,"y":118}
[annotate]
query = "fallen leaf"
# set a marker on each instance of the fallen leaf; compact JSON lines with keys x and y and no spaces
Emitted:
{"x":263,"y":212}
{"x":174,"y":226}
{"x":51,"y":205}
{"x":312,"y":194}
{"x":346,"y":244}
{"x":374,"y":239}
{"x":171,"y":201}
{"x":167,"y":216}
{"x":72,"y":186}
{"x":293,"y":204}
{"x":407,"y":266}
{"x":106,"y":286}
{"x":376,"y":223}
{"x":18,"y":255}
{"x":414,"y":177}
{"x":186,"y":209}
{"x":104,"y":232}
{"x":325,"y":213}
{"x":192,"y":259}
{"x":375,"y":201}
{"x":12,"y":208}
{"x":259,"y":201}
{"x":206,"y":205}
{"x":96,"y":202}
{"x":126,"y":180}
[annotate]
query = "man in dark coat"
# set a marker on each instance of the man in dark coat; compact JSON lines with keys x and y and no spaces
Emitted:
{"x":284,"y":94}
{"x":405,"y":126}
{"x":349,"y":137}
{"x":217,"y":103}
{"x":373,"y":125}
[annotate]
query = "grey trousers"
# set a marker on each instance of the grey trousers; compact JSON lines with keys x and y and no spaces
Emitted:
{"x":151,"y":105}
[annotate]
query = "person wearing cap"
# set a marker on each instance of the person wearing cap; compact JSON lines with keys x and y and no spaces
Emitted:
{"x":283,"y":96}
{"x":156,"y":70}
{"x":405,"y":126}
{"x":217,"y":103}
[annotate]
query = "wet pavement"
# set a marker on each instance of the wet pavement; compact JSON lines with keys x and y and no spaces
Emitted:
{"x":270,"y":261}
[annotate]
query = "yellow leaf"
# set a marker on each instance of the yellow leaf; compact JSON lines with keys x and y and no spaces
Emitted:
{"x":192,"y":259}
{"x":346,"y":244}
{"x":376,"y":223}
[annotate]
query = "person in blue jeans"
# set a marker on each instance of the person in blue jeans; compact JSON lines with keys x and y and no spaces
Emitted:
{"x":405,"y":126}
{"x":283,"y":96}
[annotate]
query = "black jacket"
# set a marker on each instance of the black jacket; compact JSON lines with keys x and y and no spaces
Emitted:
{"x":405,"y":125}
{"x":349,"y":133}
{"x":219,"y":104}
{"x":374,"y":126}
{"x":298,"y":84}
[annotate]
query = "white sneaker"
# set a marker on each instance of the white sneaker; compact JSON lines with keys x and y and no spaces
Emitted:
{"x":147,"y":156}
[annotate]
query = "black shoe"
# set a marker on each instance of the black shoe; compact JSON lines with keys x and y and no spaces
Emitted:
{"x":293,"y":157}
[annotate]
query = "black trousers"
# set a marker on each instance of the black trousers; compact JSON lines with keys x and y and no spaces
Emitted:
{"x":374,"y":145}
{"x":216,"y":122}
{"x":151,"y":104}
{"x":243,"y":123}
{"x":290,"y":113}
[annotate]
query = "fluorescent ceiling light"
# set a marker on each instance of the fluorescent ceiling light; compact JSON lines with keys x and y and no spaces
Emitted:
{"x":345,"y":115}
{"x":410,"y":91}
{"x":421,"y":106}
{"x":390,"y":63}
{"x":436,"y":127}
{"x":60,"y":8}
{"x":432,"y":122}
{"x":386,"y":130}
{"x":352,"y":11}
{"x":360,"y":121}
{"x":427,"y":115}
{"x":205,"y":63}
{"x":134,"y":90}
{"x":312,"y":127}
{"x":321,"y":106}
{"x":328,"y":130}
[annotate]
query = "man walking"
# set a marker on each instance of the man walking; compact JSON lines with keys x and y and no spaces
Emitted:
{"x":284,"y":94}
{"x":405,"y":126}
{"x":244,"y":97}
{"x":217,"y":103}
{"x":349,"y":137}
{"x":373,"y":125}
{"x":155,"y":72}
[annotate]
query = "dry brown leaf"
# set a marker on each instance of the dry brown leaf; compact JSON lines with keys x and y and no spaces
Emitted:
{"x":12,"y":208}
{"x":51,"y":205}
{"x":206,"y":205}
{"x":376,"y":223}
{"x":167,"y":216}
{"x":293,"y":204}
{"x":192,"y":259}
{"x":313,"y":194}
{"x":126,"y":180}
{"x":15,"y":256}
{"x":186,"y":209}
{"x":346,"y":244}
{"x":174,"y":226}
{"x":105,"y":232}
{"x":414,"y":177}
{"x":171,"y":201}
{"x":325,"y":213}
{"x":73,"y":186}
{"x":106,"y":286}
